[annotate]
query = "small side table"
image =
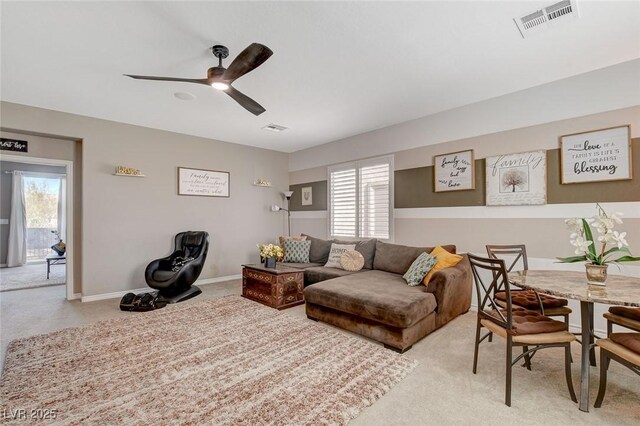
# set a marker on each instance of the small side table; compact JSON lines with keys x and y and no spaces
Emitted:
{"x":280,"y":287}
{"x":54,"y":259}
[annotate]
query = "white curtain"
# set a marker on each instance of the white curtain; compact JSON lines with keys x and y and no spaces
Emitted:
{"x":17,"y":244}
{"x":62,"y":211}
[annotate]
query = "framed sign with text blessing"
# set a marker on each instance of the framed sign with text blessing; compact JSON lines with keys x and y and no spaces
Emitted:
{"x":598,"y":155}
{"x":454,"y":171}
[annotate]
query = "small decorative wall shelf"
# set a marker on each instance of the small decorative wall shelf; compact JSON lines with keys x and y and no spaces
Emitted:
{"x":127,"y":171}
{"x":261,"y":182}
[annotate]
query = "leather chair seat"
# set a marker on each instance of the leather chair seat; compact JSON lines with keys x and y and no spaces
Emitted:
{"x":620,"y":350}
{"x":627,"y":312}
{"x":161,"y":275}
{"x":630,"y":341}
{"x":529,"y":322}
{"x":528,"y":299}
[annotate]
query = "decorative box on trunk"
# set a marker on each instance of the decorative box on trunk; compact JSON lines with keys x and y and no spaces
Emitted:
{"x":279,"y":287}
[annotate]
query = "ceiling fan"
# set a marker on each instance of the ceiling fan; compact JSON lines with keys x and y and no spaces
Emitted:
{"x":220,"y":78}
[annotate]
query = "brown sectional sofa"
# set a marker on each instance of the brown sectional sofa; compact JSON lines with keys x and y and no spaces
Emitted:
{"x":376,"y":302}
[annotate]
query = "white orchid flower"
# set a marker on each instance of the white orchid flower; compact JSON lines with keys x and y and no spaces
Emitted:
{"x":618,"y":238}
{"x":607,"y":238}
{"x":574,"y":224}
{"x":581,"y":244}
{"x":616,"y":217}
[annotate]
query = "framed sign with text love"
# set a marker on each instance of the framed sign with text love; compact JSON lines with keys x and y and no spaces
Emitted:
{"x":204,"y":183}
{"x":454,"y":171}
{"x":598,"y":155}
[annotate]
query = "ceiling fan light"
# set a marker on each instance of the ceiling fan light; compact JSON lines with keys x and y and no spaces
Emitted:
{"x":218,"y":85}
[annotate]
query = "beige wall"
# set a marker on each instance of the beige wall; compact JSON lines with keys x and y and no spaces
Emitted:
{"x":60,"y":149}
{"x":127,"y":222}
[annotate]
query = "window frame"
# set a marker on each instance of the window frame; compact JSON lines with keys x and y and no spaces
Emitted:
{"x":357,"y":165}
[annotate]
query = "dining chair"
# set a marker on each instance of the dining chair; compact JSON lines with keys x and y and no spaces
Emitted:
{"x":621,"y":347}
{"x":528,"y":299}
{"x":624,"y":316}
{"x":517,"y":325}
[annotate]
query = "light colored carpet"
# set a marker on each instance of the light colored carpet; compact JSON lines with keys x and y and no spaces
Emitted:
{"x":227,"y":360}
{"x":441,"y":390}
{"x":31,"y":275}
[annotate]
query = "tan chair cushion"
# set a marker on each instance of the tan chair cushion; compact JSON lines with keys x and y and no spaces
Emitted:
{"x":623,"y":321}
{"x":626,"y":311}
{"x":619,"y":350}
{"x":630,"y":341}
{"x":527,"y":299}
{"x":531,"y":339}
{"x":528,"y":322}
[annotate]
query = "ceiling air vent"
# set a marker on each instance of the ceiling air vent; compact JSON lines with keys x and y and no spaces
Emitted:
{"x":540,"y":20}
{"x":274,"y":128}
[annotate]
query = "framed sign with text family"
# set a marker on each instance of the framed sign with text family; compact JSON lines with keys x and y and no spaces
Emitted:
{"x":597,"y":155}
{"x":204,"y":183}
{"x":454,"y":171}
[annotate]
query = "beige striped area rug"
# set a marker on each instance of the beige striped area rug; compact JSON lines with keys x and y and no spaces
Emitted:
{"x":223,"y":361}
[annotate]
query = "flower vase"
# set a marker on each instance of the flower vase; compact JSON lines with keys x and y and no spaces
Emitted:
{"x":270,"y":262}
{"x":596,"y":274}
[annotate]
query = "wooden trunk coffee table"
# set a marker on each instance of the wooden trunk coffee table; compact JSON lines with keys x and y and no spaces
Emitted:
{"x":280,"y":287}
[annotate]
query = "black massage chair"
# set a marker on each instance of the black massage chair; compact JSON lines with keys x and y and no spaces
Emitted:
{"x":174,"y":275}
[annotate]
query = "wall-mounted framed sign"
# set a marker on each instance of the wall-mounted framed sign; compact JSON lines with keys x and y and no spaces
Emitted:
{"x":597,"y":155}
{"x":204,"y":183}
{"x":15,"y":145}
{"x":307,"y":196}
{"x":454,"y":171}
{"x":517,"y":179}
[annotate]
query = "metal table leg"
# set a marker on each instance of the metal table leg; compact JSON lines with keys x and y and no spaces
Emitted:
{"x":586,"y":324}
{"x":48,"y":267}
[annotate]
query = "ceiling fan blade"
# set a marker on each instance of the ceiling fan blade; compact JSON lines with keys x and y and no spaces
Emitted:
{"x":245,"y":101}
{"x":183,"y":80}
{"x":248,"y":60}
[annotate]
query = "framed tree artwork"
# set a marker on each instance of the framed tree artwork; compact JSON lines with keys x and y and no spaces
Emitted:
{"x":454,"y":171}
{"x":517,"y":179}
{"x":598,"y":155}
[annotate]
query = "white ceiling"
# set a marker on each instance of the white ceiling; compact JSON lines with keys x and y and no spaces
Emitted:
{"x":338,"y":69}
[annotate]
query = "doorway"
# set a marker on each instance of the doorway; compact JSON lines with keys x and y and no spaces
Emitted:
{"x":40,"y":223}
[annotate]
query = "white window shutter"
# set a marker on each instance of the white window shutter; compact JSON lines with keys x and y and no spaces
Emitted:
{"x":375,"y":193}
{"x":343,"y":202}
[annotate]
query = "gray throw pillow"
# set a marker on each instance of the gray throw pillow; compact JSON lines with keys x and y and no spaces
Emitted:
{"x":319,"y":252}
{"x":296,"y":251}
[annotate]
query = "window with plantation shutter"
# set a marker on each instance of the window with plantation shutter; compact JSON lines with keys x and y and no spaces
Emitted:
{"x":361,"y":199}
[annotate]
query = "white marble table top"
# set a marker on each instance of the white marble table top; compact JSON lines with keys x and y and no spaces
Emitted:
{"x":619,"y":290}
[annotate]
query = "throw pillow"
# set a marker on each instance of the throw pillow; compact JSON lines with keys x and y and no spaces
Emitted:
{"x":352,"y":260}
{"x":337,"y":250}
{"x":367,"y":248}
{"x":296,"y":251}
{"x":419,"y":268}
{"x":319,"y":249}
{"x":445,"y":260}
{"x":284,"y":238}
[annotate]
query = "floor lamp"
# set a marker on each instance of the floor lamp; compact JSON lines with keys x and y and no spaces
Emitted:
{"x":274,"y":208}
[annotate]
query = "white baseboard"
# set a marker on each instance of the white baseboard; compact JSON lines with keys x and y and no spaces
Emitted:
{"x":76,"y":296}
{"x":119,"y":294}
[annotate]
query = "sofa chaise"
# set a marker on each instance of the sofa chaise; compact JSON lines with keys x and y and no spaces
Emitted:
{"x":376,"y":302}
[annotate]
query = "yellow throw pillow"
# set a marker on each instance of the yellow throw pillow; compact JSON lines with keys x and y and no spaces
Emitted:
{"x":445,"y":260}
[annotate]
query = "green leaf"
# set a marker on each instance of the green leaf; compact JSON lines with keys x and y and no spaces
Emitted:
{"x":616,"y":250}
{"x":628,"y":259}
{"x":589,"y":237}
{"x":572,"y":259}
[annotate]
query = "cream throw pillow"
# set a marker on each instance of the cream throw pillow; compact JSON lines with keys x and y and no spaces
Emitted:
{"x":352,"y":260}
{"x":337,"y":250}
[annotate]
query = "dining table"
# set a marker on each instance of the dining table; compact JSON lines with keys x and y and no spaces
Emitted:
{"x":618,"y":290}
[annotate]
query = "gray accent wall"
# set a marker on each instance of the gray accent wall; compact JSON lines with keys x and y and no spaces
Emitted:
{"x":318,"y":196}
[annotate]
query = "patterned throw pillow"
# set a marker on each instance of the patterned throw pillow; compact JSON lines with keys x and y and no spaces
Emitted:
{"x":352,"y":260}
{"x":296,"y":251}
{"x":282,"y":239}
{"x":337,"y":250}
{"x":419,"y":268}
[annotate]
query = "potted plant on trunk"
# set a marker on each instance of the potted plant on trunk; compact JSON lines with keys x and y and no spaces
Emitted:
{"x":270,"y":254}
{"x":596,"y":253}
